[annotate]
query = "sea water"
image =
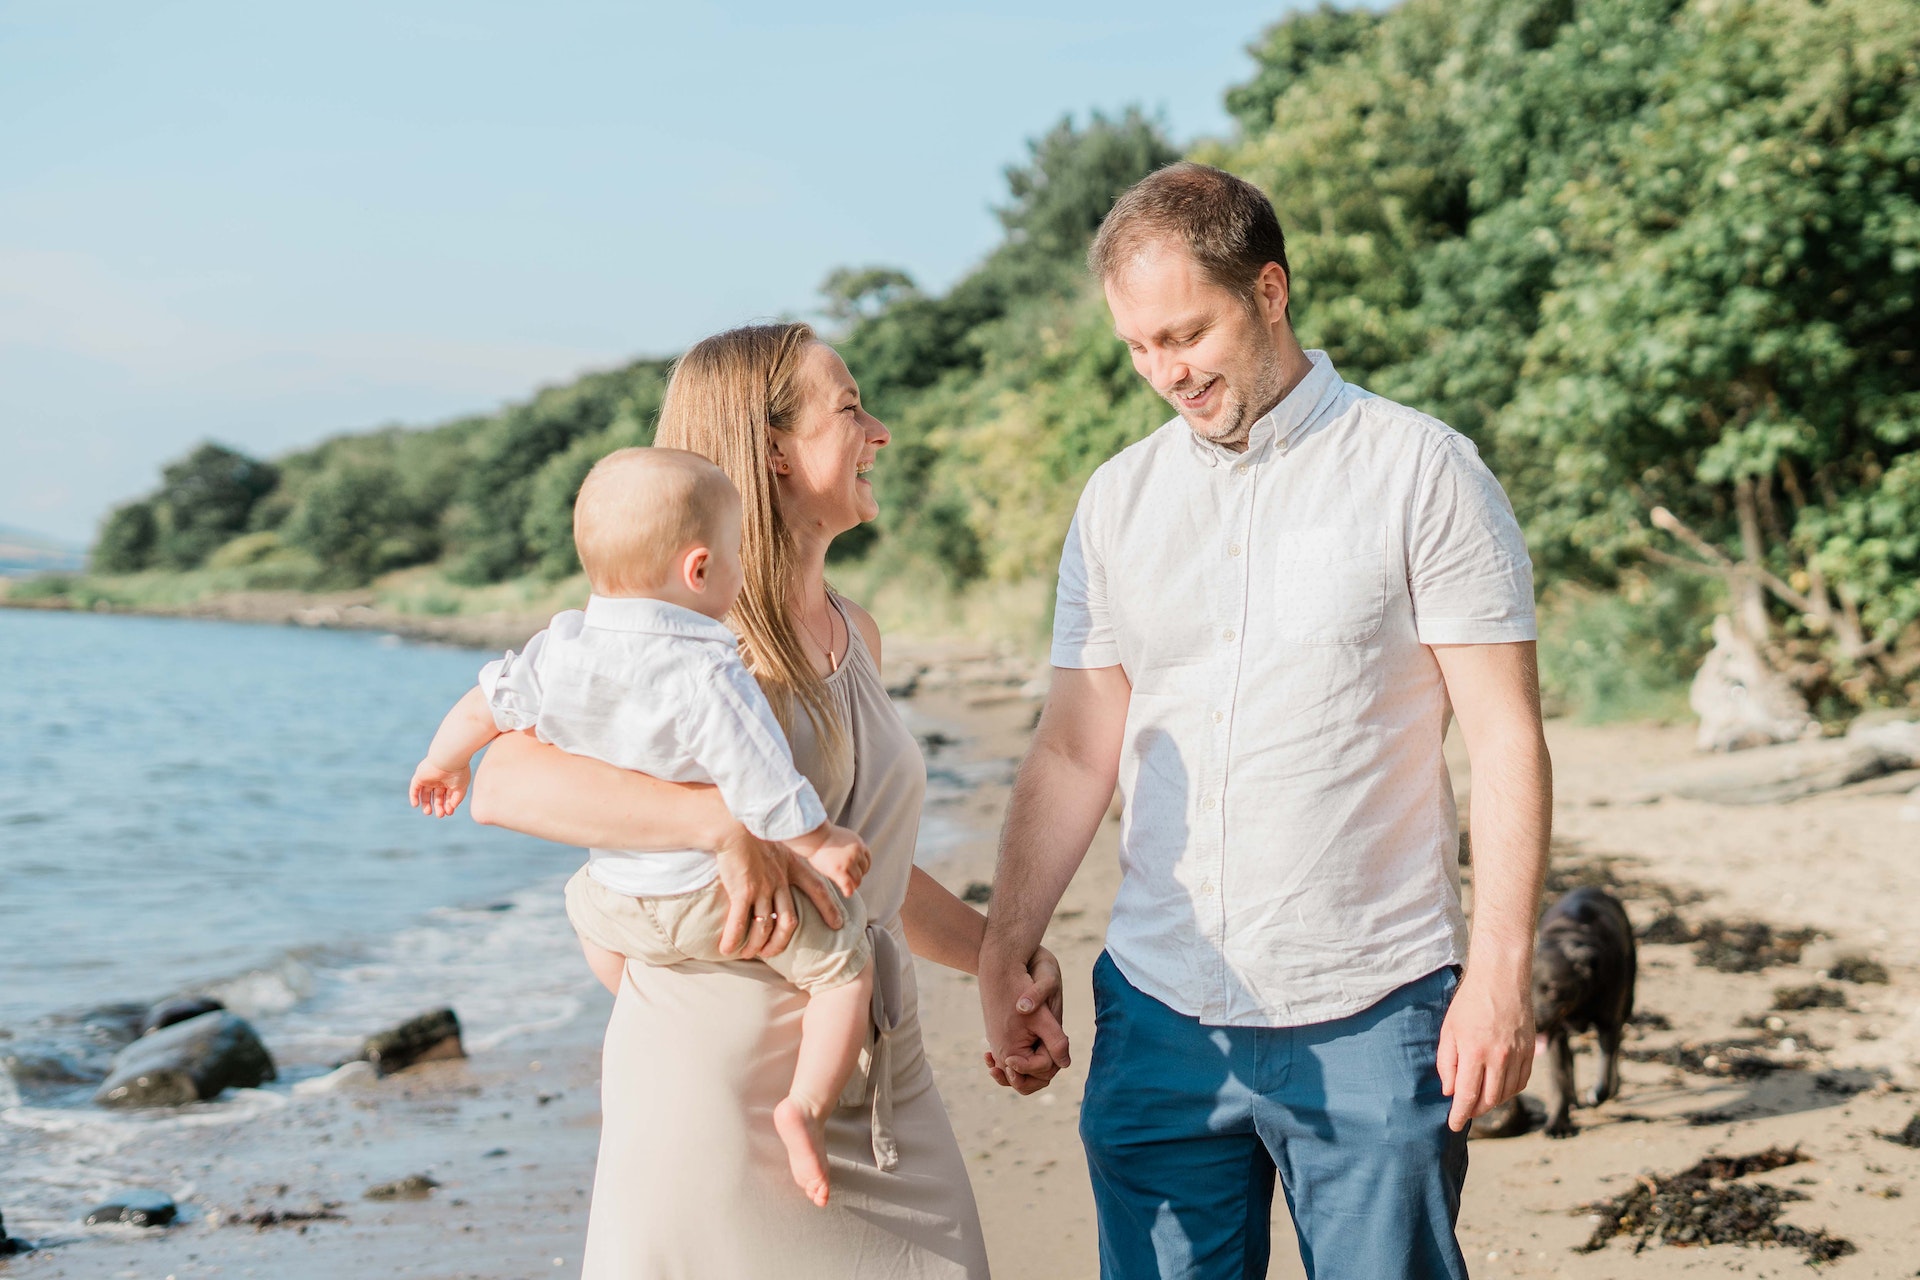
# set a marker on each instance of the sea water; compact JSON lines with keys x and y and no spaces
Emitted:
{"x":184,"y":802}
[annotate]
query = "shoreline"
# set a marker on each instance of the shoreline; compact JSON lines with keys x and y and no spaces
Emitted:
{"x":338,"y":611}
{"x":1840,"y":863}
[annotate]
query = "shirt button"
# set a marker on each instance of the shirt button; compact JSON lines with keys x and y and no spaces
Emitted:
{"x":1207,"y":803}
{"x":1227,"y":635}
{"x":1240,"y":470}
{"x":1218,"y":716}
{"x":1234,"y":550}
{"x":1206,"y":887}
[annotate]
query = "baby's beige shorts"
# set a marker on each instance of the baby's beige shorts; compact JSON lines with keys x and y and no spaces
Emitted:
{"x":686,"y":926}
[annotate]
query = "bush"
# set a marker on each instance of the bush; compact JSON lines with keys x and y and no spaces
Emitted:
{"x":359,"y":521}
{"x":126,"y":540}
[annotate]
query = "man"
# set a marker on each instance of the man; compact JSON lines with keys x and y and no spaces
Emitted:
{"x":1267,"y":611}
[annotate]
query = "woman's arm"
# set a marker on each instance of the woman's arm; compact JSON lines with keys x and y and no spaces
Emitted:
{"x":536,"y":788}
{"x":947,"y":931}
{"x":939,"y":926}
{"x":539,"y":790}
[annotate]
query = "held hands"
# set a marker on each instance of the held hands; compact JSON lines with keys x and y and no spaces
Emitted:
{"x":842,"y":857}
{"x":759,"y":879}
{"x":1023,"y":1008}
{"x":437,"y":792}
{"x":1486,"y":1045}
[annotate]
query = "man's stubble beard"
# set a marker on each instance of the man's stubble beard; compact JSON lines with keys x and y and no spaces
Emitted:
{"x":1239,"y":413}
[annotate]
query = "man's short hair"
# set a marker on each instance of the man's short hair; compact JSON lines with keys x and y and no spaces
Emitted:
{"x":640,"y":509}
{"x":1226,"y":224}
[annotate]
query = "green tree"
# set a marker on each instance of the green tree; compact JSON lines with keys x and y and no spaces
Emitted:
{"x":126,"y":540}
{"x":358,"y":521}
{"x":204,"y":499}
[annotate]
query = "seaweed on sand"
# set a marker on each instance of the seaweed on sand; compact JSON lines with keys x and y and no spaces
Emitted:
{"x":1909,"y":1136}
{"x":1747,"y":947}
{"x":1709,"y":1204}
{"x":1814,"y":995}
{"x":1741,"y":1059}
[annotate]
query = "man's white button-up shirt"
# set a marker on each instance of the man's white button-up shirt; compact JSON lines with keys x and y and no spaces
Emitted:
{"x":1289,"y":847}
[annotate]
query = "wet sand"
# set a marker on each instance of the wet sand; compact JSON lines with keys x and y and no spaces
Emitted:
{"x":512,"y":1142}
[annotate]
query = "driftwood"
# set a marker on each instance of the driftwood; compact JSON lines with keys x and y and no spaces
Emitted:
{"x":1741,"y":700}
{"x":1771,"y":775}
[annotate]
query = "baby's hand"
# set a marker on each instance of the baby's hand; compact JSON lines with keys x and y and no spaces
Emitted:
{"x":842,"y":857}
{"x":437,"y":792}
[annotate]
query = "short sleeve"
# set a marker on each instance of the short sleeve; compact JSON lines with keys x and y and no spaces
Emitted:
{"x":1467,"y":565}
{"x":512,"y":687}
{"x":730,"y":730}
{"x":1082,"y":628}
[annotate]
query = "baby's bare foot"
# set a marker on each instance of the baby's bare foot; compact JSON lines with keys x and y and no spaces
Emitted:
{"x":804,"y":1131}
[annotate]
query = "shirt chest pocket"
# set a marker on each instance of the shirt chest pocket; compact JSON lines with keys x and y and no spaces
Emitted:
{"x":1329,"y":585}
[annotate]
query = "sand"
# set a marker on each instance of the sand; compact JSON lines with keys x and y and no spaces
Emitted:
{"x":510,"y":1134}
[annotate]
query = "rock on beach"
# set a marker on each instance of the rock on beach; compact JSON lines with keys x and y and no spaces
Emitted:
{"x":139,"y":1208}
{"x":178,"y":1009}
{"x":427,"y":1038}
{"x":189,"y":1061}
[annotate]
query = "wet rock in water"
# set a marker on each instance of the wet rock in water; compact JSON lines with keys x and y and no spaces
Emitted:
{"x":1709,"y":1204}
{"x":178,"y":1009}
{"x":113,"y":1024}
{"x":415,"y":1186}
{"x":189,"y":1061}
{"x":1860,"y":969}
{"x":1747,"y":947}
{"x":10,"y":1245}
{"x":139,"y":1208}
{"x":427,"y":1038}
{"x":977,"y":891}
{"x":1814,"y":995}
{"x":1513,"y":1118}
{"x":32,"y":1068}
{"x":1909,"y":1136}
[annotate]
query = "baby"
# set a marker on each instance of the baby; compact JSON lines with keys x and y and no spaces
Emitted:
{"x":648,"y":678}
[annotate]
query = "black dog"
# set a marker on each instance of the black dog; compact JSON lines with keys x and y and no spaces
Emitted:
{"x":1583,"y":970}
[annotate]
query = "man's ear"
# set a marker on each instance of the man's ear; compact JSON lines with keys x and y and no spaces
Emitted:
{"x":693,"y":568}
{"x":1271,"y":289}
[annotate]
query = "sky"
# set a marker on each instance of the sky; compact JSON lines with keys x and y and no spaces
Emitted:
{"x":266,"y":224}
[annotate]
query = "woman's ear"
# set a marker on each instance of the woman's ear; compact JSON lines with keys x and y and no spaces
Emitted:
{"x":775,"y":458}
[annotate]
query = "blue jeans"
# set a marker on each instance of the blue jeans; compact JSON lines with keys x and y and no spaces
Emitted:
{"x":1186,"y":1125}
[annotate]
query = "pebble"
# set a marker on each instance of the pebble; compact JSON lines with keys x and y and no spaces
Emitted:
{"x":136,"y":1207}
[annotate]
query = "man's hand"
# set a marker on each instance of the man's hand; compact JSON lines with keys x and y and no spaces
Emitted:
{"x":759,"y":879}
{"x":437,"y":792}
{"x":1024,"y":1008}
{"x":842,"y":857}
{"x":1486,"y":1045}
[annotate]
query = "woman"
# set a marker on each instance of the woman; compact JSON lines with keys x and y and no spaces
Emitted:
{"x":692,"y":1180}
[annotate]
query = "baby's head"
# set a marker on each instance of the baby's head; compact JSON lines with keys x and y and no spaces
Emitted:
{"x":660,"y":523}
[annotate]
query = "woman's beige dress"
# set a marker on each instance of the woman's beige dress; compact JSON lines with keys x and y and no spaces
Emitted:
{"x":692,"y":1182}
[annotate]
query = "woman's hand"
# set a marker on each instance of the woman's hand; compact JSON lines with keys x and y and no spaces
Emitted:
{"x":1032,"y":1045}
{"x":759,"y":879}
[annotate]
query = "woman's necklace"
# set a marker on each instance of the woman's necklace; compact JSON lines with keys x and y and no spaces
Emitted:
{"x":833,"y":663}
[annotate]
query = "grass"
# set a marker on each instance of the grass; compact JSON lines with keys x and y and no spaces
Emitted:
{"x":1623,"y":655}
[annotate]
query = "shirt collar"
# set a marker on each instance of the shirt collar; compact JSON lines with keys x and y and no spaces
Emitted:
{"x":659,"y":617}
{"x":1297,"y":410}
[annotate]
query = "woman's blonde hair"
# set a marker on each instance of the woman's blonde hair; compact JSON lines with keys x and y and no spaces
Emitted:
{"x":728,"y":394}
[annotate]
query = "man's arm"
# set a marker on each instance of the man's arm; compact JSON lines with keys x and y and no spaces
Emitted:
{"x":1486,"y":1043}
{"x":1059,"y":798}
